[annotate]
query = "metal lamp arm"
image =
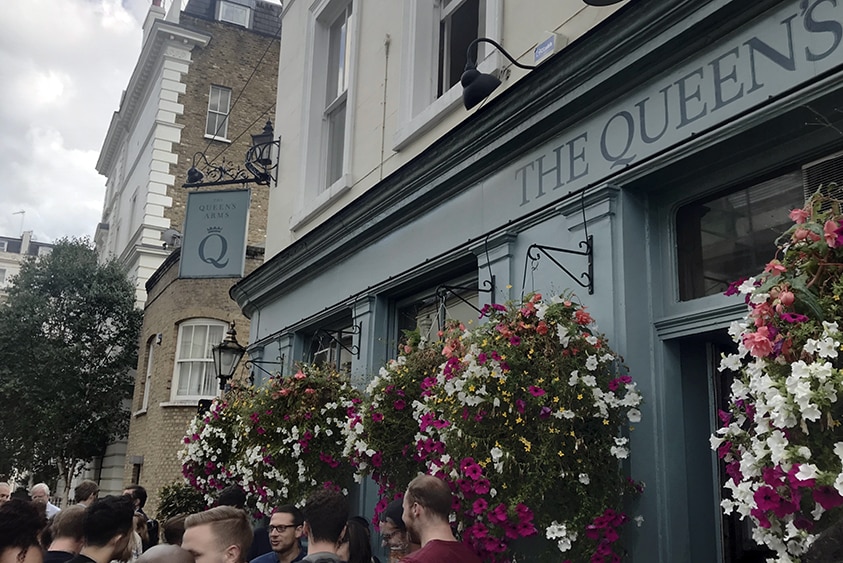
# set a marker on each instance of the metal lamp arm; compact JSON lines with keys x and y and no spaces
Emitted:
{"x":471,"y":63}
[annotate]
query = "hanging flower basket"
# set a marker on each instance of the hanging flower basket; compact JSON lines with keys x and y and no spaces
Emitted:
{"x":288,"y":438}
{"x":212,"y":446}
{"x":782,"y":441}
{"x":381,"y":438}
{"x":526,"y":419}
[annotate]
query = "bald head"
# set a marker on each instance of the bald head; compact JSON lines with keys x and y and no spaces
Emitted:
{"x":165,"y":554}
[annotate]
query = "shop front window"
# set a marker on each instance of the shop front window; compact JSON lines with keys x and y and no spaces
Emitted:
{"x":732,"y":235}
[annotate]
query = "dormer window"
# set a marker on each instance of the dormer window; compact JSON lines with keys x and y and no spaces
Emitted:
{"x":235,"y":13}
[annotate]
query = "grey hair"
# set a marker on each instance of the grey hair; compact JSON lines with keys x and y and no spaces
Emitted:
{"x":41,"y":486}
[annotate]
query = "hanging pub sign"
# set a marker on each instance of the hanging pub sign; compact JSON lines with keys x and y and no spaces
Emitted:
{"x":214,"y":240}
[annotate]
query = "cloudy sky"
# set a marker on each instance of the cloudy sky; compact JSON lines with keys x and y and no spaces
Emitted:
{"x":65,"y":64}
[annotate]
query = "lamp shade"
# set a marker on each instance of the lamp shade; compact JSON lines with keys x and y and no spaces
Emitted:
{"x":262,"y":143}
{"x":476,"y":87}
{"x":602,"y":2}
{"x":194,"y":175}
{"x":227,"y":355}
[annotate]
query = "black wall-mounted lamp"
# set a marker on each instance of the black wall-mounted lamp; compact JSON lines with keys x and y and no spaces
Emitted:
{"x":476,"y":85}
{"x":259,"y":167}
{"x":227,"y":355}
{"x":602,"y":2}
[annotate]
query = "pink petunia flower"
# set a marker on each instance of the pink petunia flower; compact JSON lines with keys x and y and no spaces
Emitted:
{"x":536,"y":391}
{"x":799,"y":216}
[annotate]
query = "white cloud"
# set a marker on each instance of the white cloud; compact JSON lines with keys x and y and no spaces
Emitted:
{"x":65,"y":65}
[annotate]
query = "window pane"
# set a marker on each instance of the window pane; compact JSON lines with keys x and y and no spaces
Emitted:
{"x":184,"y":379}
{"x":336,"y":144}
{"x":186,"y":339}
{"x":219,"y":101}
{"x":215,"y":336}
{"x":456,"y":31}
{"x":200,"y":336}
{"x":234,"y":13}
{"x":338,"y":56}
{"x":729,"y":236}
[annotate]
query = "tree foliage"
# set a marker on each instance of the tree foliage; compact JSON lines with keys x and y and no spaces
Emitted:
{"x":68,"y":340}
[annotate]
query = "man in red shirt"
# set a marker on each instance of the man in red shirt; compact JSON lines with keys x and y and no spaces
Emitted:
{"x":427,"y":504}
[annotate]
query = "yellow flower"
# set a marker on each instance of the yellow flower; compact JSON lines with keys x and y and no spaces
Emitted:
{"x":605,"y":422}
{"x":556,"y":400}
{"x":579,"y":397}
{"x":561,"y":453}
{"x":527,"y":444}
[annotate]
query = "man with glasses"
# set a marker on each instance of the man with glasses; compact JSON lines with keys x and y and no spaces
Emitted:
{"x":285,"y":532}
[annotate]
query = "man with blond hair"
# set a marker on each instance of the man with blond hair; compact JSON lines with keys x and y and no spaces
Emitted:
{"x":40,"y":493}
{"x":427,"y":505}
{"x":219,"y":535}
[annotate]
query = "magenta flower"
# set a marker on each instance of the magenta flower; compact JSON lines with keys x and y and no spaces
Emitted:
{"x":793,"y":317}
{"x":482,"y":486}
{"x":377,"y":459}
{"x":479,"y":507}
{"x":515,"y":340}
{"x":498,"y":515}
{"x":377,"y":417}
{"x":536,"y":391}
{"x":474,"y":471}
{"x":827,"y":497}
{"x":767,"y":499}
{"x":399,"y":405}
{"x":481,"y":358}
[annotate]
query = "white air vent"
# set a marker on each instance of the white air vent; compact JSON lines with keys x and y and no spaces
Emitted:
{"x":825,"y":174}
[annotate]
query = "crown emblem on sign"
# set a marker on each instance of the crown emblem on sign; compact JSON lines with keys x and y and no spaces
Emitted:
{"x":214,"y":229}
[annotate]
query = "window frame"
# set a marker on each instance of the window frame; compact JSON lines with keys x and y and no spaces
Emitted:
{"x":419,"y":109}
{"x":175,"y":395}
{"x":150,"y":355}
{"x":314,"y":193}
{"x":226,"y":114}
{"x":4,"y":245}
{"x":223,"y":4}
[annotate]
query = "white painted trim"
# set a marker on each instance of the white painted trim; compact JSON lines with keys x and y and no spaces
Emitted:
{"x":310,"y":199}
{"x":418,"y":62}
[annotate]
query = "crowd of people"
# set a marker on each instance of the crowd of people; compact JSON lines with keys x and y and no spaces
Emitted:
{"x":115,"y":529}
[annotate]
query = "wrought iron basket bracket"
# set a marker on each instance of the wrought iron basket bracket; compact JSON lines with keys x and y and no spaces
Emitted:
{"x":588,"y":275}
{"x":258,"y":363}
{"x":443,"y":290}
{"x":356,"y":330}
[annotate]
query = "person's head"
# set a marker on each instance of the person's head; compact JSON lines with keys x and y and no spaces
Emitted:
{"x":86,"y":492}
{"x":218,"y":535}
{"x":427,"y":502}
{"x":286,"y":527}
{"x":20,"y":523}
{"x":5,"y":492}
{"x":138,"y":495}
{"x":174,"y":529}
{"x":355,"y":546}
{"x":108,"y":524}
{"x":325,"y":515}
{"x":232,"y":495}
{"x":40,"y":493}
{"x":393,"y":530}
{"x":140,"y":526}
{"x":165,"y":554}
{"x":69,"y":526}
